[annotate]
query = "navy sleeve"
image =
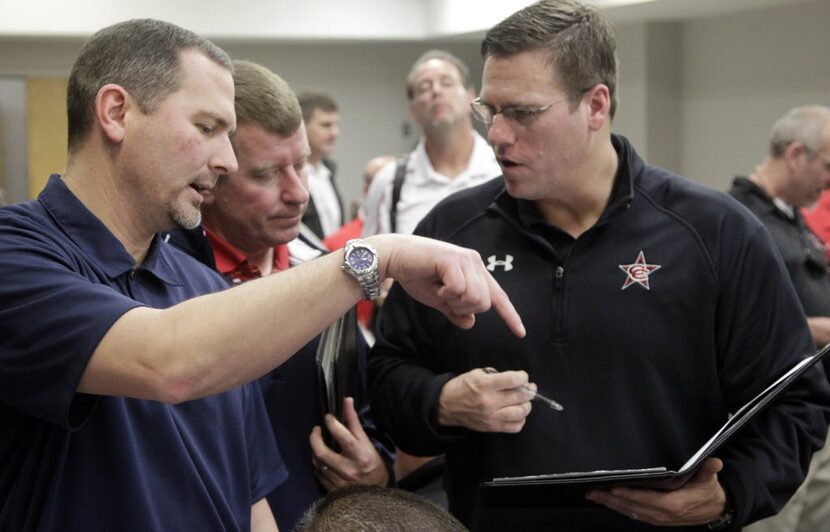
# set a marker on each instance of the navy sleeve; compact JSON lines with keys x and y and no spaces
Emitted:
{"x":266,"y":466}
{"x":51,"y":320}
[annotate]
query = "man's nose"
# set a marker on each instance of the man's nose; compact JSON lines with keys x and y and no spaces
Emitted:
{"x":295,"y":189}
{"x":223,"y":160}
{"x":500,"y":132}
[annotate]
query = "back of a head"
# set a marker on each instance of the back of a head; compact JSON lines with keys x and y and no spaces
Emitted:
{"x":265,"y":99}
{"x":579,"y":39}
{"x":376,"y":509}
{"x":372,"y":168}
{"x":310,"y":101}
{"x":140,"y":55}
{"x":805,"y":124}
{"x":443,"y":55}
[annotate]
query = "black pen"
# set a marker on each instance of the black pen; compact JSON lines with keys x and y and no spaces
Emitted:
{"x":536,"y":395}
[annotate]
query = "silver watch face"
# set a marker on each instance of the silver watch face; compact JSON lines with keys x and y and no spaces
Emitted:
{"x":361,"y":259}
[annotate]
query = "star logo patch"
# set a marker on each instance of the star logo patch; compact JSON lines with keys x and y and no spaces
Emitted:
{"x":638,"y":272}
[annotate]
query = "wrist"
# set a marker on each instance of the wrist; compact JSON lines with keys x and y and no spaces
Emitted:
{"x":443,"y":414}
{"x":724,"y":521}
{"x":443,"y":417}
{"x":384,"y":250}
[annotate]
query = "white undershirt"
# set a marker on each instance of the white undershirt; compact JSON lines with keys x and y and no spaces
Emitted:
{"x":324,"y":197}
{"x":783,"y":207}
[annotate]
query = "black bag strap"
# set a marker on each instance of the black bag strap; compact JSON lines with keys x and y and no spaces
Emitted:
{"x":397,"y":185}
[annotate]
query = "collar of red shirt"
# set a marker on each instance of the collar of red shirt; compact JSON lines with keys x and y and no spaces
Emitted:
{"x":233,"y":263}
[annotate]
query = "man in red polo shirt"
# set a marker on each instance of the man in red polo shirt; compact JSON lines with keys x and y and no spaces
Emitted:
{"x":252,"y":229}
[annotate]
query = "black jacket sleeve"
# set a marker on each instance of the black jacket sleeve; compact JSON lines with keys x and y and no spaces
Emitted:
{"x":760,"y":332}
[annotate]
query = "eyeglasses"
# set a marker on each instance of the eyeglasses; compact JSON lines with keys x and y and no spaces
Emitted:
{"x":518,"y":114}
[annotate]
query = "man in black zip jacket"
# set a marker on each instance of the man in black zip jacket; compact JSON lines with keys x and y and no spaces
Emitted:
{"x":654,"y":308}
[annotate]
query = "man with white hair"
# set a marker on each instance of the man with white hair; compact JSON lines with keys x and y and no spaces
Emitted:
{"x":793,"y":175}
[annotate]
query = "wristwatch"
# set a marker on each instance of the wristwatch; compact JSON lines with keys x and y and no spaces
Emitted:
{"x":360,"y":260}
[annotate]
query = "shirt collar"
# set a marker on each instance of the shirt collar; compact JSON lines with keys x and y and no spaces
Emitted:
{"x":752,"y":193}
{"x":97,"y":241}
{"x":234,"y":264}
{"x":482,"y":152}
{"x":784,"y":208}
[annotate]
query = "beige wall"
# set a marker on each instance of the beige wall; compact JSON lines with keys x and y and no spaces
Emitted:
{"x":697,"y":96}
{"x":2,"y":164}
{"x":740,"y":73}
{"x":367,"y":79}
{"x":46,"y":121}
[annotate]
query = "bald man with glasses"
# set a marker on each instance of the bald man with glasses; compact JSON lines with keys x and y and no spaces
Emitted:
{"x":634,"y":285}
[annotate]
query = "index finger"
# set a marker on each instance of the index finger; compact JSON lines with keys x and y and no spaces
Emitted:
{"x":506,"y":380}
{"x":351,"y":420}
{"x":505,"y":308}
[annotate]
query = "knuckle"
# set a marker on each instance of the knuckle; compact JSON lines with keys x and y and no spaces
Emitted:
{"x":517,"y":426}
{"x":485,"y":403}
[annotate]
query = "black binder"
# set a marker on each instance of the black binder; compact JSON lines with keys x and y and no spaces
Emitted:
{"x":568,"y":489}
{"x":338,"y":374}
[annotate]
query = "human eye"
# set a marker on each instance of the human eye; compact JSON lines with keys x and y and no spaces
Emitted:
{"x":206,"y":129}
{"x":265,"y":174}
{"x":423,"y":87}
{"x":447,"y":82}
{"x":520,"y":115}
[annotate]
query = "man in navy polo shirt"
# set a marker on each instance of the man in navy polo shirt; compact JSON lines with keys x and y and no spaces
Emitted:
{"x":122,"y":394}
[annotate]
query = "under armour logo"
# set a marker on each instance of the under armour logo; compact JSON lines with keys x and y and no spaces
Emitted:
{"x":638,"y":272}
{"x":507,"y":263}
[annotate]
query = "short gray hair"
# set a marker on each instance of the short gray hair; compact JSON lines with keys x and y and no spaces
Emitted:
{"x":443,"y":55}
{"x":805,"y":124}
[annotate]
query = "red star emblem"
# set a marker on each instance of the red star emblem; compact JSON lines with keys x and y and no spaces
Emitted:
{"x":638,"y":272}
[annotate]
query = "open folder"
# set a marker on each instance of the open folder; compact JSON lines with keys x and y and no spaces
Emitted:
{"x":568,"y":489}
{"x":338,"y":374}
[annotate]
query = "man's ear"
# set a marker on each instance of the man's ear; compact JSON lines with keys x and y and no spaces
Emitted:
{"x":471,"y":95}
{"x":412,"y":114}
{"x":795,"y":149}
{"x":793,"y":154}
{"x":598,"y":98}
{"x":111,"y":106}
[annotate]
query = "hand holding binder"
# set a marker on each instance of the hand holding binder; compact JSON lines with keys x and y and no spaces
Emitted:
{"x":338,"y":374}
{"x":568,"y":489}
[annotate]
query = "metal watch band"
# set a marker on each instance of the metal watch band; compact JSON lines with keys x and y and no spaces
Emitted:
{"x":369,"y":279}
